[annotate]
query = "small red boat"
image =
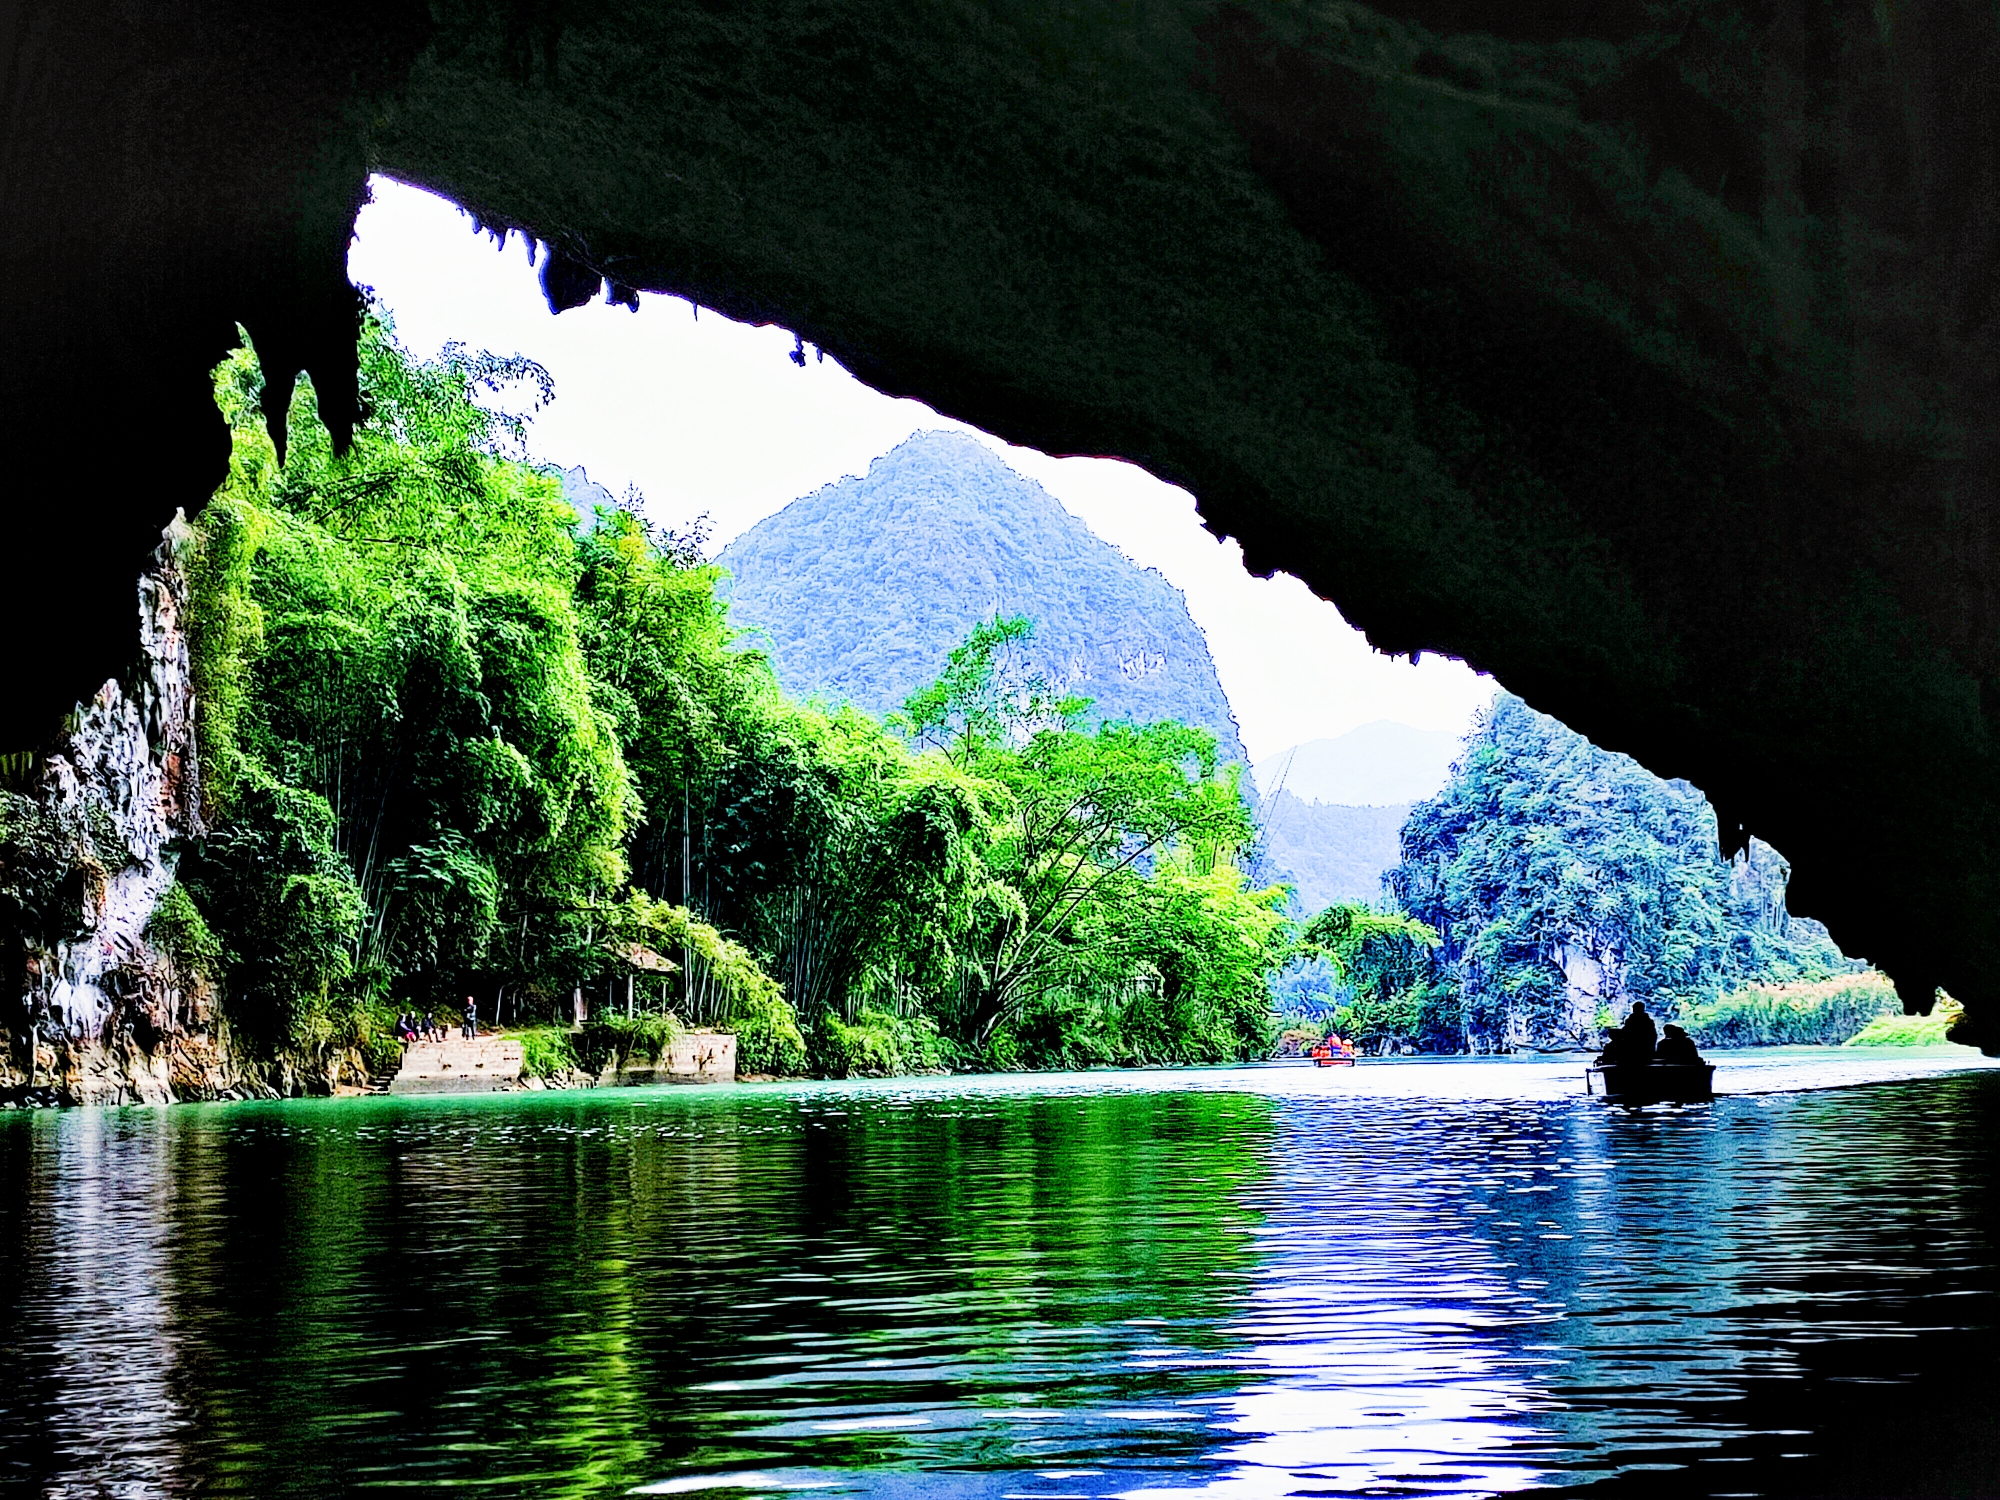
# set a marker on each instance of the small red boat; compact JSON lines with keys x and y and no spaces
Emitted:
{"x":1332,"y":1053}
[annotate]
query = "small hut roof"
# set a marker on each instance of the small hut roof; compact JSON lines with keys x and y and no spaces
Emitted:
{"x":641,"y":959}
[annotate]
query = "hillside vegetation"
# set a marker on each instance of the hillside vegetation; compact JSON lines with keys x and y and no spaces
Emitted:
{"x":859,"y":590}
{"x":455,"y":742}
{"x":1329,"y":852}
{"x":1565,"y":882}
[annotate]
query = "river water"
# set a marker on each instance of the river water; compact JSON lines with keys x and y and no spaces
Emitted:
{"x":1445,"y":1278}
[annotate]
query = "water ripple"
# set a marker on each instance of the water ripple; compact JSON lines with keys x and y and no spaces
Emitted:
{"x":1455,"y":1278}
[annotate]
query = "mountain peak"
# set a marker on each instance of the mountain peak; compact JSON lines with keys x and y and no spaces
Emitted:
{"x":865,"y":585}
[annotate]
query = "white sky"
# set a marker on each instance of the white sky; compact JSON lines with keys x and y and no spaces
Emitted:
{"x":703,"y":414}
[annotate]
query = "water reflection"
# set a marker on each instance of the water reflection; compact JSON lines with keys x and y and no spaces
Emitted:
{"x":1253,"y":1283}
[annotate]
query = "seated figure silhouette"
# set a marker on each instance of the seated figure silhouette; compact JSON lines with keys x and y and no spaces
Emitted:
{"x":1632,"y":1042}
{"x":1677,"y":1047}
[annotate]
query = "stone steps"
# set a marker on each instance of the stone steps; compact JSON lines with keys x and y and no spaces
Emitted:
{"x":457,"y":1065}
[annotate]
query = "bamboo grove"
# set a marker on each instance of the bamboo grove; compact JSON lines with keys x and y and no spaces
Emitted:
{"x":456,"y":739}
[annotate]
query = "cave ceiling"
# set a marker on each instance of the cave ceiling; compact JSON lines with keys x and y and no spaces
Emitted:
{"x":1642,"y":355}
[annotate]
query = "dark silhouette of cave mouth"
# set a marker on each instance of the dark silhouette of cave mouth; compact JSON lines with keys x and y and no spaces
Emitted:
{"x":1650,"y":371}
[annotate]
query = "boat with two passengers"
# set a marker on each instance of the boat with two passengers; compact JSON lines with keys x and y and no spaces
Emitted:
{"x":1652,"y":1082}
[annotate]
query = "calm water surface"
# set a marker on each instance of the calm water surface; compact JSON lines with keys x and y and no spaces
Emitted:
{"x":1401,"y":1279}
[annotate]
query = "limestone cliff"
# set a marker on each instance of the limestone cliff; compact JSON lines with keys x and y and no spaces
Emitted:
{"x":863,"y":588}
{"x":106,"y":1013}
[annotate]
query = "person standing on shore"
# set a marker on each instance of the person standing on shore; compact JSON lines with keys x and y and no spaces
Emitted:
{"x":471,"y":1018}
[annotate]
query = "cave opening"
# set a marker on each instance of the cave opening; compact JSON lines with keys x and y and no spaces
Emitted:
{"x":1640,"y":357}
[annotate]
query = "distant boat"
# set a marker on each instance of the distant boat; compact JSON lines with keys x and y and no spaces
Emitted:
{"x":1654,"y":1083}
{"x":1333,"y":1053}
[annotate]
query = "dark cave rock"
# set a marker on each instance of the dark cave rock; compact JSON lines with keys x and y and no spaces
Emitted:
{"x":1645,"y":356}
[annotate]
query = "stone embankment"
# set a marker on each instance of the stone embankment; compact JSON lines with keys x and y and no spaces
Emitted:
{"x":692,"y":1057}
{"x":492,"y":1065}
{"x":460,"y":1065}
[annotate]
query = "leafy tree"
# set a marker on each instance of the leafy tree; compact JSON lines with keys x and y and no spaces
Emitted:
{"x":849,"y":862}
{"x":1088,"y":818}
{"x":1382,"y":962}
{"x":421,"y":792}
{"x":986,"y":699}
{"x":285,"y":911}
{"x":668,"y":672}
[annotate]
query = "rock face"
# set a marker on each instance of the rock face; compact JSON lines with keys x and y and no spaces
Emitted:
{"x":106,"y":1015}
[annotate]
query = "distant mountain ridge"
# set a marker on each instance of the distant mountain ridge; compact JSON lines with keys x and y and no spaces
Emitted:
{"x":1378,"y":765}
{"x":863,"y":587}
{"x":1329,"y":852}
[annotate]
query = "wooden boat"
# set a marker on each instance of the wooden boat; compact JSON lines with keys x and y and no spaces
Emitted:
{"x":1333,"y":1053}
{"x":1654,"y":1083}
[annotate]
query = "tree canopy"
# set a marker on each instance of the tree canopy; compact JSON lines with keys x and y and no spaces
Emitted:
{"x":1565,"y":882}
{"x":457,"y":739}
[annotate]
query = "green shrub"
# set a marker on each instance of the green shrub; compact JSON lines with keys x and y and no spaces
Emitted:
{"x":611,"y":1038}
{"x":547,"y":1051}
{"x":370,"y":1024}
{"x":1911,"y":1031}
{"x":876,"y":1045}
{"x":1819,"y":1013}
{"x":767,"y":1034}
{"x":177,"y":929}
{"x":754,"y":1008}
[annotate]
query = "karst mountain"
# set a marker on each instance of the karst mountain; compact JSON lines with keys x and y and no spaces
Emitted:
{"x":861,"y":589}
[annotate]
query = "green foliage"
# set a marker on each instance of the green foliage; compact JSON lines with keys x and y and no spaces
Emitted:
{"x":411,"y":787}
{"x":1560,"y":877}
{"x":224,"y":627}
{"x":876,"y":1044}
{"x":547,"y":1051}
{"x":1088,"y":823}
{"x":285,"y":907}
{"x":668,"y":674}
{"x":178,"y":929}
{"x":458,"y":747}
{"x":986,"y":699}
{"x":46,"y":870}
{"x":1175,"y":971}
{"x":372,"y":1025}
{"x":1823,"y":1013}
{"x":609,"y":1039}
{"x":723,"y":981}
{"x":768,"y":1040}
{"x":845,"y":859}
{"x":1369,"y":977}
{"x":1897,"y":1030}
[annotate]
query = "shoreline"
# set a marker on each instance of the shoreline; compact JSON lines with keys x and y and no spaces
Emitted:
{"x":1443,"y":1078}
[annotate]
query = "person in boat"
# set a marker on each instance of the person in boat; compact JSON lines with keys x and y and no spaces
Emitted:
{"x":1677,"y":1048}
{"x":1632,"y":1042}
